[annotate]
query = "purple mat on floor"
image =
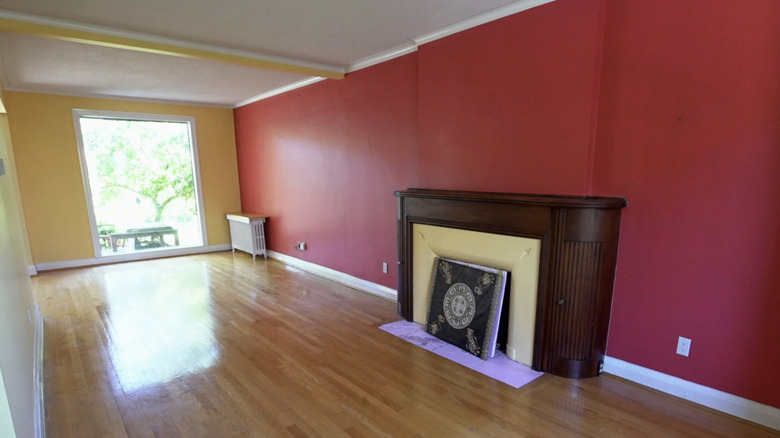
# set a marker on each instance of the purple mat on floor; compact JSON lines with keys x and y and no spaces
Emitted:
{"x":499,"y":367}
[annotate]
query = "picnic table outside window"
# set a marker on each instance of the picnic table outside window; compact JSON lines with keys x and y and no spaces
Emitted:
{"x":144,"y":237}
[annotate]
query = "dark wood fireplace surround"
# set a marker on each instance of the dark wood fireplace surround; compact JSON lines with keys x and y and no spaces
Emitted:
{"x":579,"y":244}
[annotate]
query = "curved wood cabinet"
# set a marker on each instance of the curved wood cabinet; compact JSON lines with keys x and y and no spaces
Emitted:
{"x":579,"y":243}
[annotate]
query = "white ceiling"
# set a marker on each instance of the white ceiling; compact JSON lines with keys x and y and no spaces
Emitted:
{"x":333,"y":35}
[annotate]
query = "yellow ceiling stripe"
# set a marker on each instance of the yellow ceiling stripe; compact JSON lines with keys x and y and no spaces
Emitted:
{"x":104,"y":40}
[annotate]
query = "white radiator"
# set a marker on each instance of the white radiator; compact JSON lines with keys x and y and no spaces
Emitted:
{"x":247,"y":233}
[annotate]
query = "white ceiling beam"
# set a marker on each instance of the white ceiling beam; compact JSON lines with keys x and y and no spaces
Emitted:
{"x":26,"y":24}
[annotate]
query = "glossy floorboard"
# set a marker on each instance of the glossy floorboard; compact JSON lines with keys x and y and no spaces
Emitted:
{"x":220,"y":346}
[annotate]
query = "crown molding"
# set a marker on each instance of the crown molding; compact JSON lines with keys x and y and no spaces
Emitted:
{"x":280,"y":90}
{"x":387,"y":55}
{"x":92,"y":34}
{"x":120,"y":98}
{"x":492,"y":15}
{"x":412,"y":45}
{"x":460,"y":26}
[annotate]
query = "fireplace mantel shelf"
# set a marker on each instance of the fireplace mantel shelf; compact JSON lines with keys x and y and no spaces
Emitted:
{"x":519,"y":198}
{"x":579,"y":241}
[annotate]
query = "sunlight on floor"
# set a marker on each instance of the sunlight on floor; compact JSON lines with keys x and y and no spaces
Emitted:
{"x":159,"y":323}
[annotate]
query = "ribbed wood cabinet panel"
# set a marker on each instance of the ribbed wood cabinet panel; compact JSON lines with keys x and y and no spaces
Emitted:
{"x":579,"y":242}
{"x":575,"y":295}
{"x":576,"y":290}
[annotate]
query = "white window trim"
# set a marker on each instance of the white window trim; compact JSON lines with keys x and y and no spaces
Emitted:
{"x":120,"y":115}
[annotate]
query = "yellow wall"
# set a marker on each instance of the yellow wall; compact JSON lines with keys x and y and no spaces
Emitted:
{"x":16,"y":220}
{"x":47,"y":160}
{"x":16,"y":303}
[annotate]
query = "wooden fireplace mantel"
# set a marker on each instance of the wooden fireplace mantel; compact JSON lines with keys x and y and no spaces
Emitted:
{"x":579,"y":243}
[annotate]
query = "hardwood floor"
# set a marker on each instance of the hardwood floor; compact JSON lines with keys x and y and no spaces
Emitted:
{"x":220,"y":346}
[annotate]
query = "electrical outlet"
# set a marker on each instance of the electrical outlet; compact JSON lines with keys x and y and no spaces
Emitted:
{"x":384,"y":267}
{"x":301,"y":246}
{"x":683,"y":346}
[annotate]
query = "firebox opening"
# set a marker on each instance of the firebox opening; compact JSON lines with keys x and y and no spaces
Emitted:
{"x":518,"y":255}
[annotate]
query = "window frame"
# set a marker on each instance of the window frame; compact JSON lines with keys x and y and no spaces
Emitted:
{"x":151,"y":117}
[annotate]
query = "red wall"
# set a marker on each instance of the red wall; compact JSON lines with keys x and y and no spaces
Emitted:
{"x":674,"y":105}
{"x":689,"y":133}
{"x":509,"y":106}
{"x":323,"y":162}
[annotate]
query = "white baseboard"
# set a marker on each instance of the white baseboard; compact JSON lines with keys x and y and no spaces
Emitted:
{"x":39,"y":412}
{"x":338,"y":277}
{"x":65,"y":264}
{"x":712,"y":398}
{"x":32,"y":271}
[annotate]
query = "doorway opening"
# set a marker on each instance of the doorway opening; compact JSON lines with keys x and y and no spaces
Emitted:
{"x":142,"y":182}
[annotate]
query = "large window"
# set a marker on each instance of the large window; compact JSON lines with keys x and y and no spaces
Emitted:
{"x":142,"y":181}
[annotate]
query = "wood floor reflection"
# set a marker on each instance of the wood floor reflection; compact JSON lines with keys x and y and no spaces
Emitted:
{"x":220,"y":346}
